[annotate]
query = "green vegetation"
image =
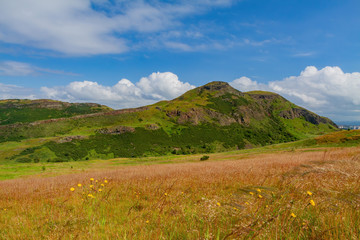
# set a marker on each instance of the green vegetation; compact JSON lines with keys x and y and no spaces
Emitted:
{"x":226,"y":103}
{"x":25,"y":111}
{"x":190,"y":140}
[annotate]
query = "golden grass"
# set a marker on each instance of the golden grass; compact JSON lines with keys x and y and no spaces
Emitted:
{"x":262,"y":196}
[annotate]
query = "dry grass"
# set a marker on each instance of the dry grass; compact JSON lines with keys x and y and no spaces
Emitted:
{"x":263,"y":196}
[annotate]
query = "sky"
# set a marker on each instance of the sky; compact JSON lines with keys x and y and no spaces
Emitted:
{"x":130,"y":53}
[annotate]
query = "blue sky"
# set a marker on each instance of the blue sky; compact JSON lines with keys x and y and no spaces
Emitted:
{"x":128,"y":53}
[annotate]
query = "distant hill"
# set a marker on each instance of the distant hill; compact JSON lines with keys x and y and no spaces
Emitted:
{"x":22,"y":111}
{"x":213,"y":117}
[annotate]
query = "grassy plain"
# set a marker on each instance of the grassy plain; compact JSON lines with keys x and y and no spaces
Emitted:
{"x":277,"y":192}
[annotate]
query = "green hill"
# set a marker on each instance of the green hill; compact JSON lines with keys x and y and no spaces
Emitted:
{"x":23,"y":111}
{"x":214,"y":117}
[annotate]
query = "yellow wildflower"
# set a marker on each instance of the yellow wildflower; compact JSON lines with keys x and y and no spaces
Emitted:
{"x":247,"y":203}
{"x":312,"y":202}
{"x":100,"y":190}
{"x":91,"y":186}
{"x":258,"y":189}
{"x":79,"y":185}
{"x":72,"y":189}
{"x":251,"y":193}
{"x":219,"y":204}
{"x":96,"y":180}
{"x":309,"y":193}
{"x":147,"y":221}
{"x":165,"y":194}
{"x":90,"y":195}
{"x":102,"y":185}
{"x":293,"y":215}
{"x":91,"y":179}
{"x":260,"y":196}
{"x":105,"y":181}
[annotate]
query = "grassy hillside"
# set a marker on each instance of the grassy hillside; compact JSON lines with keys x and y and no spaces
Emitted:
{"x":24,"y":111}
{"x":211,"y":118}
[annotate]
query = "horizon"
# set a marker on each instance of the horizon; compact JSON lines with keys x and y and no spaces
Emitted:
{"x":134,"y":53}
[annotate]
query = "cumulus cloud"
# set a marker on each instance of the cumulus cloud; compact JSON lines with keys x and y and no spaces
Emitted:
{"x":245,"y":84}
{"x":328,"y":91}
{"x":88,"y":27}
{"x":124,"y":94}
{"x":162,"y":86}
{"x":13,"y":68}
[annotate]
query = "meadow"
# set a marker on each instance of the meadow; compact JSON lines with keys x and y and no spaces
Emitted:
{"x":303,"y":193}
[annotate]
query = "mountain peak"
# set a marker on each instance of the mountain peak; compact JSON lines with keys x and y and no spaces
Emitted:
{"x":219,"y":88}
{"x":216,"y":86}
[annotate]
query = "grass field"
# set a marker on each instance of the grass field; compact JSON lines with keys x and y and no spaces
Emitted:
{"x":309,"y":193}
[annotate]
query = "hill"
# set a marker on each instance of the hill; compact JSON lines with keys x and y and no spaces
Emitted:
{"x":24,"y":110}
{"x":210,"y":118}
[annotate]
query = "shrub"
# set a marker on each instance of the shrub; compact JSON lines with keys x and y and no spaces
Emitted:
{"x":204,"y":158}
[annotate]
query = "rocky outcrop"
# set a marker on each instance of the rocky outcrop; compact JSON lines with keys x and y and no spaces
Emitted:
{"x":307,"y":115}
{"x":116,"y":130}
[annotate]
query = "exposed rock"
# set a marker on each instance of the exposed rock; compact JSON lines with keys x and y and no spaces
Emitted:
{"x":69,"y":139}
{"x":307,"y":115}
{"x":116,"y":130}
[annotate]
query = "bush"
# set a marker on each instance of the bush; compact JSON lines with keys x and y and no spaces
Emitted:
{"x":204,"y":158}
{"x":23,"y":160}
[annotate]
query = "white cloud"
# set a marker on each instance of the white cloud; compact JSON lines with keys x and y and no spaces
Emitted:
{"x":245,"y":84}
{"x":13,"y":68}
{"x":162,"y":86}
{"x":304,"y":54}
{"x":88,"y":27}
{"x":124,"y":94}
{"x":16,"y":92}
{"x":328,"y":91}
